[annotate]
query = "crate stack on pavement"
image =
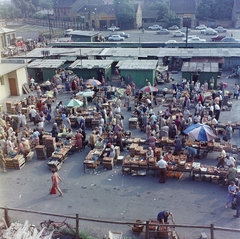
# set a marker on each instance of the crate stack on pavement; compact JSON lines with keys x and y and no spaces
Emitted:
{"x":41,"y":152}
{"x":15,"y":163}
{"x":50,"y":144}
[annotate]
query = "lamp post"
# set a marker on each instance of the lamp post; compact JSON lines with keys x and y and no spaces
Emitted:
{"x":187,"y":31}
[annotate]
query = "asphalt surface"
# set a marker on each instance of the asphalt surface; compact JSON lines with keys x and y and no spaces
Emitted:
{"x":110,"y":196}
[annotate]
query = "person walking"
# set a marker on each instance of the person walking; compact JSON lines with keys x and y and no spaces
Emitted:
{"x":162,"y":165}
{"x":231,"y":191}
{"x":79,"y":142}
{"x":55,"y":181}
{"x":237,"y":195}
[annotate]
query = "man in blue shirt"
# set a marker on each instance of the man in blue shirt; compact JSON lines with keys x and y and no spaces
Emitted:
{"x":162,"y":217}
{"x":192,"y":152}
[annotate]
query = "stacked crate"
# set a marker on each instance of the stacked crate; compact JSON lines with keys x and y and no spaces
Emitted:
{"x":158,"y":153}
{"x":132,"y":148}
{"x":50,"y":144}
{"x":15,"y":163}
{"x":108,"y":162}
{"x":18,"y":161}
{"x":41,"y":152}
{"x":138,"y":149}
{"x":9,"y":105}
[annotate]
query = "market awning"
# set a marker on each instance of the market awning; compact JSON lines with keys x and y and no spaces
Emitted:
{"x":162,"y":68}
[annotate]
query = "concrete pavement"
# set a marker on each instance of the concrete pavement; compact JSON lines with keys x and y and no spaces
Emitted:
{"x":110,"y":196}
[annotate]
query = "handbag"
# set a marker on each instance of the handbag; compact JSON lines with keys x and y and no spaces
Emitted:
{"x":53,"y":190}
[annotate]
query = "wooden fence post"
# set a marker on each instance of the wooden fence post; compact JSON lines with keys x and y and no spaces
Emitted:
{"x":7,"y":219}
{"x":211,"y":231}
{"x":77,"y":226}
{"x":147,"y":230}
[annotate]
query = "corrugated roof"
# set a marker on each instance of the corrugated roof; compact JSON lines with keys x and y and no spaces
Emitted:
{"x":200,"y":66}
{"x":48,"y":63}
{"x":137,"y":64}
{"x":6,"y":30}
{"x":90,"y":64}
{"x":84,"y":33}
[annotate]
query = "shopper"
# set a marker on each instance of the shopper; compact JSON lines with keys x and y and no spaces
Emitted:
{"x":162,"y":217}
{"x":231,"y":192}
{"x":55,"y":181}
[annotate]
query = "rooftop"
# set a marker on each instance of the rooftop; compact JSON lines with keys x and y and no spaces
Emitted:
{"x":137,"y":64}
{"x":48,"y":63}
{"x":90,"y":64}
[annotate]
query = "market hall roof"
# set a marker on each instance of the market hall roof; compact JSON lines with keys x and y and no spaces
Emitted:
{"x":200,"y":67}
{"x":134,"y":52}
{"x":91,"y":64}
{"x":137,"y":64}
{"x":46,"y":63}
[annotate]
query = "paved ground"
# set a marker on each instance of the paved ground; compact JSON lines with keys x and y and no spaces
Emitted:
{"x":111,"y":196}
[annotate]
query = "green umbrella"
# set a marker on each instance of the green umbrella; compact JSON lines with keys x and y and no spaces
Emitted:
{"x":73,"y":103}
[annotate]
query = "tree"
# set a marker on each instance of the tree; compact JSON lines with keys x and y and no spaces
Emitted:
{"x":125,"y":13}
{"x":215,"y":9}
{"x":26,"y":7}
{"x":163,"y":9}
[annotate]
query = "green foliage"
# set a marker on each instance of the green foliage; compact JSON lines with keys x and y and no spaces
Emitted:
{"x":163,"y":9}
{"x":214,"y":9}
{"x":125,"y":13}
{"x":8,"y":11}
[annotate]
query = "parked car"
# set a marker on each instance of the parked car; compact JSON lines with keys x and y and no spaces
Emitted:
{"x":154,"y":27}
{"x":123,"y":34}
{"x":184,"y":29}
{"x":218,"y":37}
{"x":67,"y":32}
{"x":174,"y":27}
{"x":230,"y":39}
{"x":171,"y":41}
{"x":209,"y":31}
{"x":188,"y":37}
{"x":201,"y":27}
{"x":113,"y":28}
{"x":178,"y":34}
{"x":106,"y":37}
{"x":220,"y":29}
{"x":196,"y":39}
{"x":115,"y":38}
{"x":163,"y":31}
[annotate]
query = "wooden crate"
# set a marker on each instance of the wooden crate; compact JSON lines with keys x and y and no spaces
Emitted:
{"x":30,"y":155}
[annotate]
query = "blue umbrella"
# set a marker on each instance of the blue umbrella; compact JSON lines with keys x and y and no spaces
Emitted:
{"x":200,"y":132}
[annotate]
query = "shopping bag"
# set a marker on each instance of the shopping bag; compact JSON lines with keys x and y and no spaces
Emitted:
{"x":53,"y":190}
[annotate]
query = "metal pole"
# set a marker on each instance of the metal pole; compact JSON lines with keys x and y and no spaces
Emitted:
{"x":187,"y":32}
{"x":211,"y":231}
{"x":77,"y":226}
{"x":147,"y":230}
{"x":139,"y":45}
{"x":81,"y":57}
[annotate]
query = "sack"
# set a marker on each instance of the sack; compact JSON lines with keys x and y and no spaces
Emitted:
{"x":225,"y":138}
{"x":53,"y":190}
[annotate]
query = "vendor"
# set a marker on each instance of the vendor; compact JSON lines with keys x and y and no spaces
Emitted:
{"x":150,"y":153}
{"x":162,"y":217}
{"x":192,"y":152}
{"x":221,"y":158}
{"x":168,"y":157}
{"x":229,"y":160}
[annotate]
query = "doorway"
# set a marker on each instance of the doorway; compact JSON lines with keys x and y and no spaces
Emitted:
{"x":13,"y":86}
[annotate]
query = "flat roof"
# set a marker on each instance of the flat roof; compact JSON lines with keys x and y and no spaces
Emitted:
{"x":37,"y":52}
{"x":90,"y":64}
{"x":200,"y":66}
{"x":137,"y":64}
{"x":6,"y":68}
{"x":84,"y":33}
{"x":46,"y":63}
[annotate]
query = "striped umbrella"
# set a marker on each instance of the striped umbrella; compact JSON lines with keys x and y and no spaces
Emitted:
{"x":93,"y":82}
{"x":149,"y":89}
{"x":73,"y":103}
{"x":200,"y":132}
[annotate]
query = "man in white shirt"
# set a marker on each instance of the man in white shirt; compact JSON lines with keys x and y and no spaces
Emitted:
{"x":229,"y":161}
{"x":197,"y":118}
{"x":162,"y":165}
{"x":33,"y":114}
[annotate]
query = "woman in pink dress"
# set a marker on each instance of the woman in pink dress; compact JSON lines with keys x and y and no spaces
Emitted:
{"x":152,"y":141}
{"x":78,"y":138}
